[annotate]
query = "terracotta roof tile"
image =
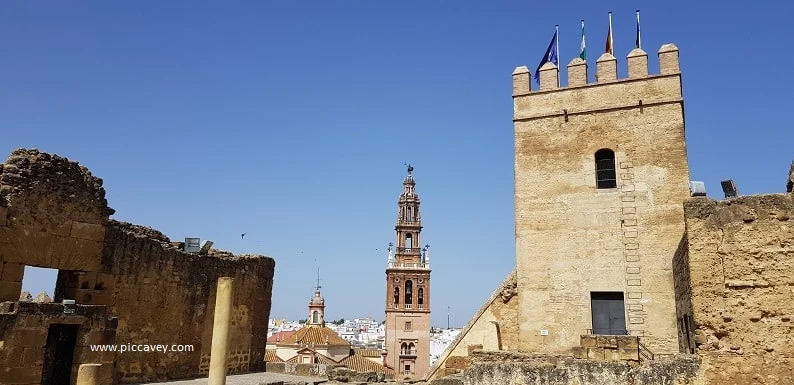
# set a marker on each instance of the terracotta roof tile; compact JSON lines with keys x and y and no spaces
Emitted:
{"x":316,"y":335}
{"x":281,"y":336}
{"x":270,"y":356}
{"x":369,"y":352}
{"x":362,"y":364}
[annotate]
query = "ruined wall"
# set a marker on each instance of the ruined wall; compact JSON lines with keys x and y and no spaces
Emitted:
{"x":572,"y":238}
{"x":683,"y":298}
{"x":52,"y":214}
{"x":482,"y":333}
{"x":57,"y":217}
{"x":741,"y":266}
{"x":491,"y":368}
{"x":24,"y":330}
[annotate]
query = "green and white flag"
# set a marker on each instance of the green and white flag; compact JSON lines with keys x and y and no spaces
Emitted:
{"x":583,"y":53}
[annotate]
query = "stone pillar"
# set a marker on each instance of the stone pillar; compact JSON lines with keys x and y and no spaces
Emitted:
{"x":220,"y":331}
{"x":88,"y":374}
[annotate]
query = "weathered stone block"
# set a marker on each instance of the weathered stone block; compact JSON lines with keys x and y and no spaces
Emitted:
{"x":88,"y":231}
{"x":63,"y":229}
{"x":627,"y":342}
{"x":28,"y":337}
{"x":304,"y":369}
{"x":612,"y":354}
{"x":579,"y":352}
{"x":10,"y":291}
{"x":457,"y":362}
{"x":21,"y":375}
{"x":11,"y":355}
{"x":450,"y":371}
{"x":628,"y":354}
{"x":472,"y":348}
{"x":595,"y":353}
{"x":588,"y":341}
{"x":607,"y":341}
{"x":12,"y":272}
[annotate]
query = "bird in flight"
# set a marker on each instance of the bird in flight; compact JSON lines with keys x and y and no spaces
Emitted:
{"x":242,"y":236}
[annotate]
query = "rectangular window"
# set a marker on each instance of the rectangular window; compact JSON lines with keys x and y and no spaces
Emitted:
{"x":408,"y":325}
{"x":609,"y":313}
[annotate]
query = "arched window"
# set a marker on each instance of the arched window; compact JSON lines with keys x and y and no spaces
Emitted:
{"x":408,"y":240}
{"x":411,"y":349}
{"x":409,"y":291}
{"x":605,"y":169}
{"x":404,"y":349}
{"x":315,"y":317}
{"x":396,"y":295}
{"x":421,"y":298}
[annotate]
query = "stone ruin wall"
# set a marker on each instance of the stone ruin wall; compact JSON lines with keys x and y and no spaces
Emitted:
{"x":53,"y":214}
{"x":503,"y":368}
{"x":23,"y":337}
{"x":481,"y":332}
{"x":741,"y":277}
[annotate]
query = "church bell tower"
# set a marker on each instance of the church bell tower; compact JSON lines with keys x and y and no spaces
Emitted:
{"x":408,"y":291}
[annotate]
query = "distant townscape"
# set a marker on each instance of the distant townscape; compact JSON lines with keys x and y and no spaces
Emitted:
{"x":362,"y":333}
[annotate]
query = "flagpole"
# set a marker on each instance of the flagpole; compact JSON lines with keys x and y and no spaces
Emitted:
{"x":582,"y":52}
{"x":559,"y":62}
{"x":639,"y":36}
{"x":611,"y":36}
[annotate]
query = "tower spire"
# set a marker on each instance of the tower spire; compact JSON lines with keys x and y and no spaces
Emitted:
{"x":317,"y":305}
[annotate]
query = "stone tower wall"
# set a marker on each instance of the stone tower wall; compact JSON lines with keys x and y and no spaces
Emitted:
{"x":572,"y":238}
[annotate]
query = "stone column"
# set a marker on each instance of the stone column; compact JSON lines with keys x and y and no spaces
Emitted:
{"x":88,"y":374}
{"x":220,"y":331}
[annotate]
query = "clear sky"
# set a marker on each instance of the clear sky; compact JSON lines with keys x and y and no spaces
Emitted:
{"x":291,"y":121}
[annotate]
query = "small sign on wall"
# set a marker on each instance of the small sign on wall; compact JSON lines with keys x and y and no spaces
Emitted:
{"x":544,"y":332}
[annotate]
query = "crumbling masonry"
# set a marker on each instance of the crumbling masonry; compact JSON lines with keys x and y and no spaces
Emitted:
{"x":131,"y":284}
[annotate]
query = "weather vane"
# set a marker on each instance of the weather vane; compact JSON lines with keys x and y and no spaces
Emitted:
{"x":410,"y":168}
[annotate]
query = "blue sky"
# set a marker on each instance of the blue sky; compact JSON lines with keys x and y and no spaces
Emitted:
{"x":291,"y":121}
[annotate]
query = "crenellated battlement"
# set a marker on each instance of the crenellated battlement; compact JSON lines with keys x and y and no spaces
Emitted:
{"x":606,"y":71}
{"x":640,"y":89}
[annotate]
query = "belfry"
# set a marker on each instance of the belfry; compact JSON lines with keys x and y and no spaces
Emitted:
{"x":408,"y":291}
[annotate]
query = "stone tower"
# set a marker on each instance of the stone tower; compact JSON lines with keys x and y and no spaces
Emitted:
{"x":408,"y":291}
{"x":600,"y":176}
{"x":317,"y":306}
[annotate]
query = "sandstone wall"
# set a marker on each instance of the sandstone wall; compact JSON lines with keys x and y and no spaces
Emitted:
{"x":572,"y":238}
{"x":490,"y":368}
{"x":54,"y":215}
{"x":741,"y":266}
{"x":23,"y":338}
{"x":683,"y":298}
{"x":481,"y":331}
